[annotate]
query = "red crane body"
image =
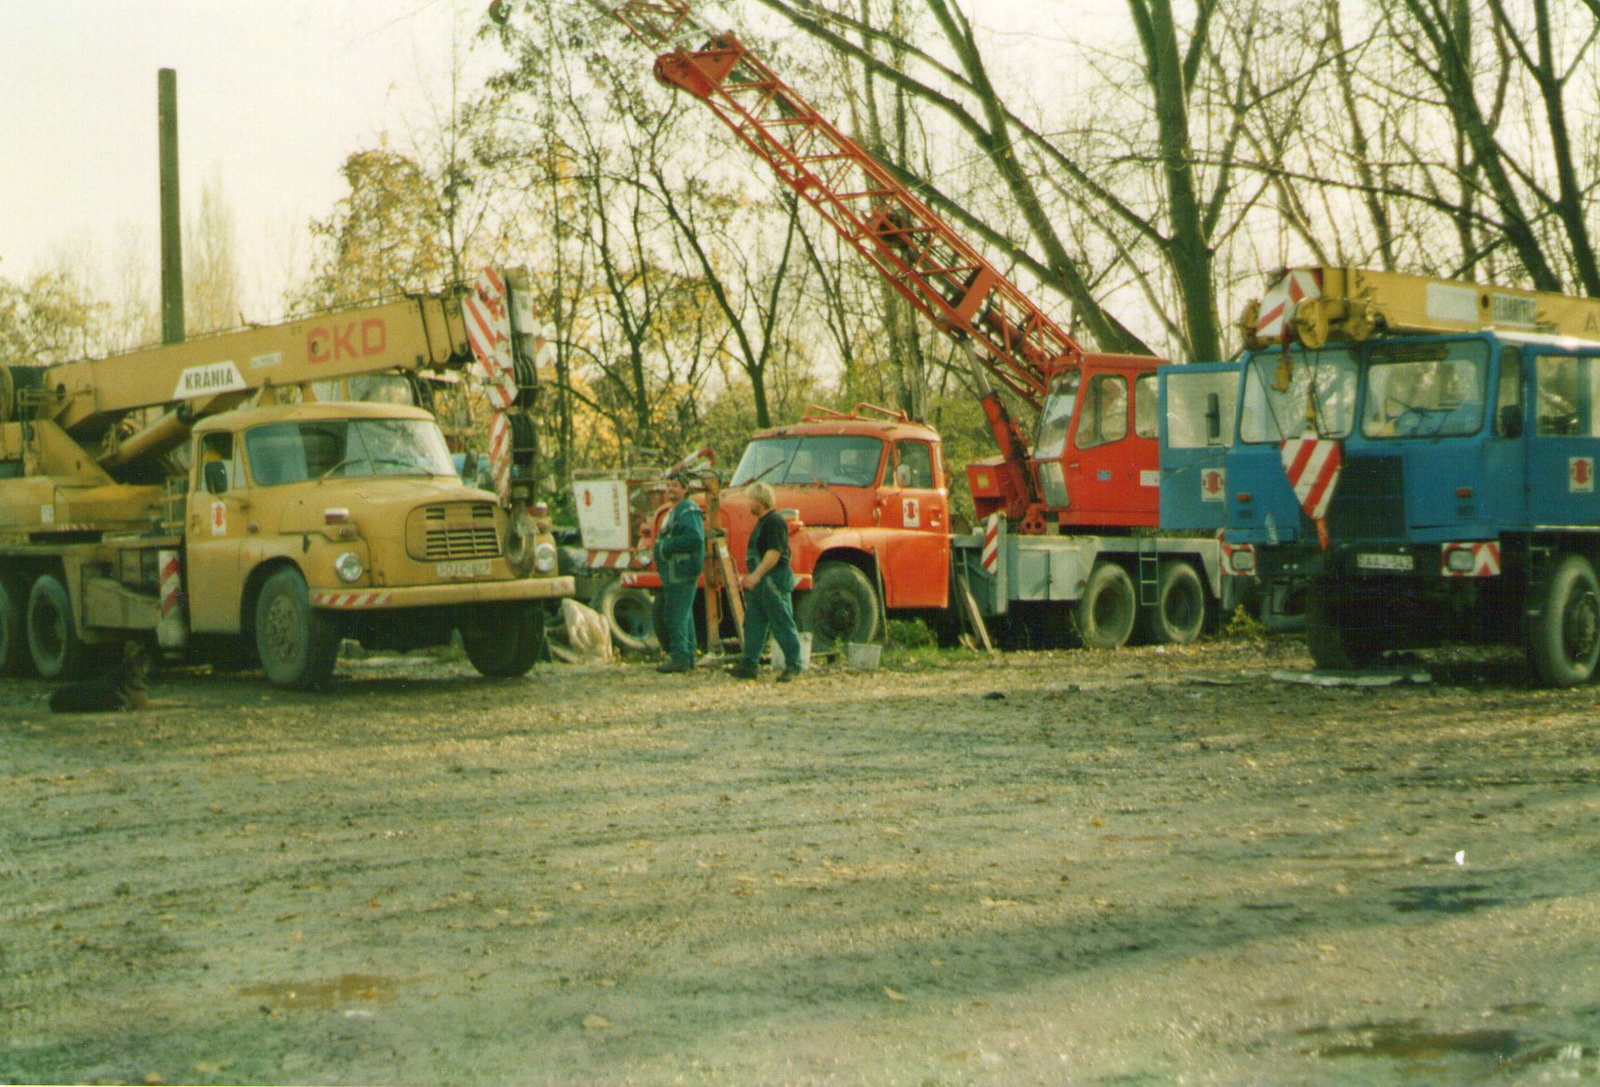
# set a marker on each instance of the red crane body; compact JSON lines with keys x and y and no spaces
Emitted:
{"x":1102,"y":476}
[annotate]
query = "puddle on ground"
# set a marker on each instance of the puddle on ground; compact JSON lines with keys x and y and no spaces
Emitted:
{"x":344,"y":989}
{"x":1410,"y":1040}
{"x":1444,"y":898}
{"x":1426,"y":1052}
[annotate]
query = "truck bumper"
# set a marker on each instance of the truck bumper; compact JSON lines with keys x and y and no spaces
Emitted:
{"x":426,"y":596}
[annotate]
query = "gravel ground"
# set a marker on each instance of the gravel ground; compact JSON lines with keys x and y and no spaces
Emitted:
{"x":1140,"y":867}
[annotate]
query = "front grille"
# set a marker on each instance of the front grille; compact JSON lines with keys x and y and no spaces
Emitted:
{"x":462,"y":530}
{"x":1369,"y":502}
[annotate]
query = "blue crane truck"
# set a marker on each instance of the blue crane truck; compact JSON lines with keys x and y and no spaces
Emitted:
{"x":1416,"y":457}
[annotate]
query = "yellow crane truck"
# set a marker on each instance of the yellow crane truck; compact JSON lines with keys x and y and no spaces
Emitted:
{"x":229,"y":497}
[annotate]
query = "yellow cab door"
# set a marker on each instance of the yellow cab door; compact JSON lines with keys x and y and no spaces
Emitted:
{"x":219,"y":506}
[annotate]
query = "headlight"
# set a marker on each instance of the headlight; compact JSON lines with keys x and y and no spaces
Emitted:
{"x":1243,"y":560}
{"x":349,"y":567}
{"x":544,"y":557}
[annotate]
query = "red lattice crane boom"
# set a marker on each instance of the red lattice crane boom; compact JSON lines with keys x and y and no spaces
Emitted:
{"x":926,"y":261}
{"x":1084,"y":474}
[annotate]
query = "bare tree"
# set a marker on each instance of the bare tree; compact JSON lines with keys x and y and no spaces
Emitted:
{"x":211,"y":266}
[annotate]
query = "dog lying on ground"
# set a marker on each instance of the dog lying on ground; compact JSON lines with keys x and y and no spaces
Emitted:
{"x":123,"y":688}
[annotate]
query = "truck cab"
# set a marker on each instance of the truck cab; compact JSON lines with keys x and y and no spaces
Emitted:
{"x":871,"y":507}
{"x":1425,"y":489}
{"x":312,"y":522}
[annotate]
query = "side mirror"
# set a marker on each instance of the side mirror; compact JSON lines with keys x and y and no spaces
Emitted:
{"x":1511,"y":420}
{"x":214,"y":475}
{"x":1213,"y":419}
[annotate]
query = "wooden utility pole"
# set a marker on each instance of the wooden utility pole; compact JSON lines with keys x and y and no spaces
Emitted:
{"x":172,"y":330}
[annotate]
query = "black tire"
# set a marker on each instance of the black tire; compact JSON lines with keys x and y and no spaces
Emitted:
{"x":1339,"y":637}
{"x":298,"y":644}
{"x":632,"y":615}
{"x":509,"y":642}
{"x":1108,"y":608}
{"x":840,"y":607}
{"x":14,"y":658}
{"x":1179,"y":614}
{"x":53,"y":642}
{"x":1564,"y":635}
{"x":1283,"y":608}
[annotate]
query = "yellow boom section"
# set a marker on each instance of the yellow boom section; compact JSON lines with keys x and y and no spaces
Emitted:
{"x":1316,"y":305}
{"x":415,"y":333}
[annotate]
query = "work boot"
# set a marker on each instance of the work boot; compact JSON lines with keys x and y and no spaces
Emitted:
{"x":743,"y":671}
{"x":788,"y":674}
{"x":674,"y":666}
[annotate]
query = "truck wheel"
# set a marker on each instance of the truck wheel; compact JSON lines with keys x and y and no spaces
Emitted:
{"x":1564,"y":638}
{"x":298,"y":644}
{"x":1336,"y":635}
{"x":1179,"y":614}
{"x":13,"y":633}
{"x":842,"y":606}
{"x":53,"y":642}
{"x":1108,"y":608}
{"x":509,"y":644}
{"x":631,"y":613}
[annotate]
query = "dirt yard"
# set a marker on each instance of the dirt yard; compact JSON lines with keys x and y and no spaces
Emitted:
{"x":1138,"y":867}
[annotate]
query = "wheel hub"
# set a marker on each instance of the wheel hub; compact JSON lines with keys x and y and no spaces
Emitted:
{"x":1580,"y":627}
{"x":282,"y":632}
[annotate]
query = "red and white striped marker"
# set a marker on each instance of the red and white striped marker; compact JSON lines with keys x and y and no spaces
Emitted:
{"x":500,"y":454}
{"x":172,"y":629}
{"x":990,"y":556}
{"x":1312,"y":465}
{"x":488,"y":321}
{"x":347,"y":601}
{"x":610,"y":560}
{"x":1279,"y":303}
{"x":1485,"y":559}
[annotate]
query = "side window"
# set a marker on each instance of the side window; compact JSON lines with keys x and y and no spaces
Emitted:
{"x":1105,"y":411}
{"x":1146,"y":406}
{"x":915,"y":465}
{"x":219,"y":470}
{"x":1560,"y":394}
{"x":1508,"y":401}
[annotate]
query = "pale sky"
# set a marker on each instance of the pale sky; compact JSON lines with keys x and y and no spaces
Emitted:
{"x":272,"y":95}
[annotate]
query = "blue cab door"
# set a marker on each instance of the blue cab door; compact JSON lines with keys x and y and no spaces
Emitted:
{"x":1198,"y":402}
{"x":1563,"y":445}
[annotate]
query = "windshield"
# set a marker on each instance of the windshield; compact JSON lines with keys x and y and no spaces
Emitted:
{"x":1286,"y":394}
{"x":1425,"y":390}
{"x":345,"y":448}
{"x":1055,"y":418}
{"x":841,"y":460}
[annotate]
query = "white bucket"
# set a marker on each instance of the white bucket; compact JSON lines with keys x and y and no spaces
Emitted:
{"x":805,"y":652}
{"x":863,"y":655}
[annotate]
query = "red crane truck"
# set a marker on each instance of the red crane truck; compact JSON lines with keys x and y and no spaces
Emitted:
{"x":1060,"y":521}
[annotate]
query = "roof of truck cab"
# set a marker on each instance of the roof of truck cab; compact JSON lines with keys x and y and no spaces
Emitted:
{"x":244,"y":418}
{"x":873,"y":428}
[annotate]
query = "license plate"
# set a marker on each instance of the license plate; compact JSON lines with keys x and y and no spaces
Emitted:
{"x":463,"y":569}
{"x":1385,"y":562}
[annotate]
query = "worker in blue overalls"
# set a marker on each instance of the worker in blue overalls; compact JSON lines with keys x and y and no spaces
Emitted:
{"x":680,"y":555}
